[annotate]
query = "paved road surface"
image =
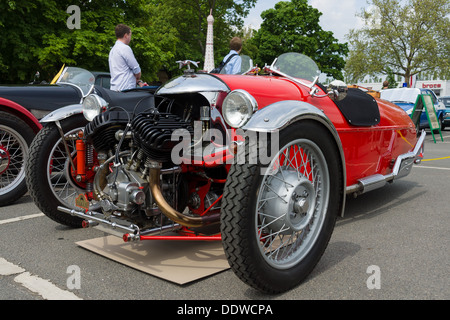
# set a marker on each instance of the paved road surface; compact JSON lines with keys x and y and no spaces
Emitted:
{"x":392,"y":244}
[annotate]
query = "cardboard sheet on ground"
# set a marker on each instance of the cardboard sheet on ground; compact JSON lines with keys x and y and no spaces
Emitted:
{"x":177,"y":261}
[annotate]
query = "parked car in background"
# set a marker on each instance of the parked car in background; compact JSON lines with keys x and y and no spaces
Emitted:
{"x":446,"y":101}
{"x":406,"y":99}
{"x":21,"y":108}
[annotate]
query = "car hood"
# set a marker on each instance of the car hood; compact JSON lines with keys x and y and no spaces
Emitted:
{"x":41,"y":97}
{"x":266,"y":90}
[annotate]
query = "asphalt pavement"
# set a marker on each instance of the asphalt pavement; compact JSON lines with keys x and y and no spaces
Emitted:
{"x":392,"y":244}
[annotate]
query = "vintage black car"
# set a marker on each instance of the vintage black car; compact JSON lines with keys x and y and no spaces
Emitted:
{"x":21,"y":109}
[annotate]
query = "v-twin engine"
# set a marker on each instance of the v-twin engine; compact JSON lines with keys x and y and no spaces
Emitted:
{"x":136,"y":179}
{"x":152,"y":132}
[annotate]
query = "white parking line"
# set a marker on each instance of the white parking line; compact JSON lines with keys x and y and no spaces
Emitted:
{"x":42,"y":287}
{"x":8,"y":268}
{"x":21,"y":218}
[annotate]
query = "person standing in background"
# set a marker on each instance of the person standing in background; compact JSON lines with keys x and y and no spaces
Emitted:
{"x":234,"y":65}
{"x":123,"y":66}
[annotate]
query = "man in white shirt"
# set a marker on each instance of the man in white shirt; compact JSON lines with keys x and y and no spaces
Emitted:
{"x":123,"y":66}
{"x":234,"y":65}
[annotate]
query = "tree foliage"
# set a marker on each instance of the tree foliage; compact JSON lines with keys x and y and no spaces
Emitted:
{"x":294,"y":26}
{"x":405,"y":36}
{"x":35,"y":36}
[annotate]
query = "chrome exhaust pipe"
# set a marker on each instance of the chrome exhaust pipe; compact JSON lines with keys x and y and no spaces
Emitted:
{"x":402,"y":168}
{"x":90,"y":216}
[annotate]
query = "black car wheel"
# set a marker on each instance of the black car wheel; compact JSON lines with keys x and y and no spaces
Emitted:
{"x":48,"y":170}
{"x":15,"y":137}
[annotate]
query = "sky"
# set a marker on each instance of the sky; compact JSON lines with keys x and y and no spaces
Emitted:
{"x":338,"y":16}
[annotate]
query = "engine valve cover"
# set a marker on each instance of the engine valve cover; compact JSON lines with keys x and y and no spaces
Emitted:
{"x":152,"y":132}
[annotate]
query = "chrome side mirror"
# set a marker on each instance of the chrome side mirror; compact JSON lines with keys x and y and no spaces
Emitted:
{"x":337,"y":90}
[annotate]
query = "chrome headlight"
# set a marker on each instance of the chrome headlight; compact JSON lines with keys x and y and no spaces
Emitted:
{"x":92,"y":106}
{"x":238,"y":107}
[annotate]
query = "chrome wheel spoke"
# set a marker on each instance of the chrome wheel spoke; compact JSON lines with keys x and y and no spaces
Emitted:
{"x":291,"y":203}
{"x":13,"y":149}
{"x":59,"y":176}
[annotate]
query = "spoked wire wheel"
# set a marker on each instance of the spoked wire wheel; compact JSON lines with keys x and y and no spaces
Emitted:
{"x":15,"y":137}
{"x":291,"y":199}
{"x":49,"y":170}
{"x":277,"y":218}
{"x":61,"y":182}
{"x":13,"y":149}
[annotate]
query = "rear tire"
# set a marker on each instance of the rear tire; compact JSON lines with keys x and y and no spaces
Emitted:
{"x":277,"y":223}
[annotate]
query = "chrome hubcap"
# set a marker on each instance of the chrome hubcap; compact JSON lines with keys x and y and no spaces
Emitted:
{"x":293,"y":201}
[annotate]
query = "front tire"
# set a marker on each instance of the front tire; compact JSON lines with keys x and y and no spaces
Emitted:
{"x":277,"y":219}
{"x":48,"y":171}
{"x":15,"y":137}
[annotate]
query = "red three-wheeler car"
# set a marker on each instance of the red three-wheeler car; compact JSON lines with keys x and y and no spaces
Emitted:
{"x":262,"y":162}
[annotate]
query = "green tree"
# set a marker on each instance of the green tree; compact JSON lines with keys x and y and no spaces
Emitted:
{"x":293,"y":26}
{"x":35,"y":36}
{"x":405,"y":36}
{"x":391,"y":79}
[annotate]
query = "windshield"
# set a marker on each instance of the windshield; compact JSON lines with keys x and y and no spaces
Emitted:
{"x":297,"y":65}
{"x":446,"y":101}
{"x":247,"y":64}
{"x":81,"y":78}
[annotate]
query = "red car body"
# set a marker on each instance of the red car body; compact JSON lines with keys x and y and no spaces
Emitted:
{"x":368,"y":150}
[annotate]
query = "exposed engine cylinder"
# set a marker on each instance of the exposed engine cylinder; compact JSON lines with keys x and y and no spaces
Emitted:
{"x":101,"y":131}
{"x":152,"y":131}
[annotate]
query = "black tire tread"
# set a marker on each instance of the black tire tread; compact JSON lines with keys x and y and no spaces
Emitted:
{"x":39,"y":194}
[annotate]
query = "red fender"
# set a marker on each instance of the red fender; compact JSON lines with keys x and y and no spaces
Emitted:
{"x":20,"y":112}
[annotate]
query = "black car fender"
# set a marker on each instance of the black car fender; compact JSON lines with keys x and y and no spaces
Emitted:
{"x":63,"y":113}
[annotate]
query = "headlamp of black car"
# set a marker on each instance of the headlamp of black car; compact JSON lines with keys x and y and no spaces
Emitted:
{"x":92,"y":106}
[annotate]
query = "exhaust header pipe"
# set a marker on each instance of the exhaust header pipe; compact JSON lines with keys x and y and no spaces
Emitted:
{"x":167,"y":210}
